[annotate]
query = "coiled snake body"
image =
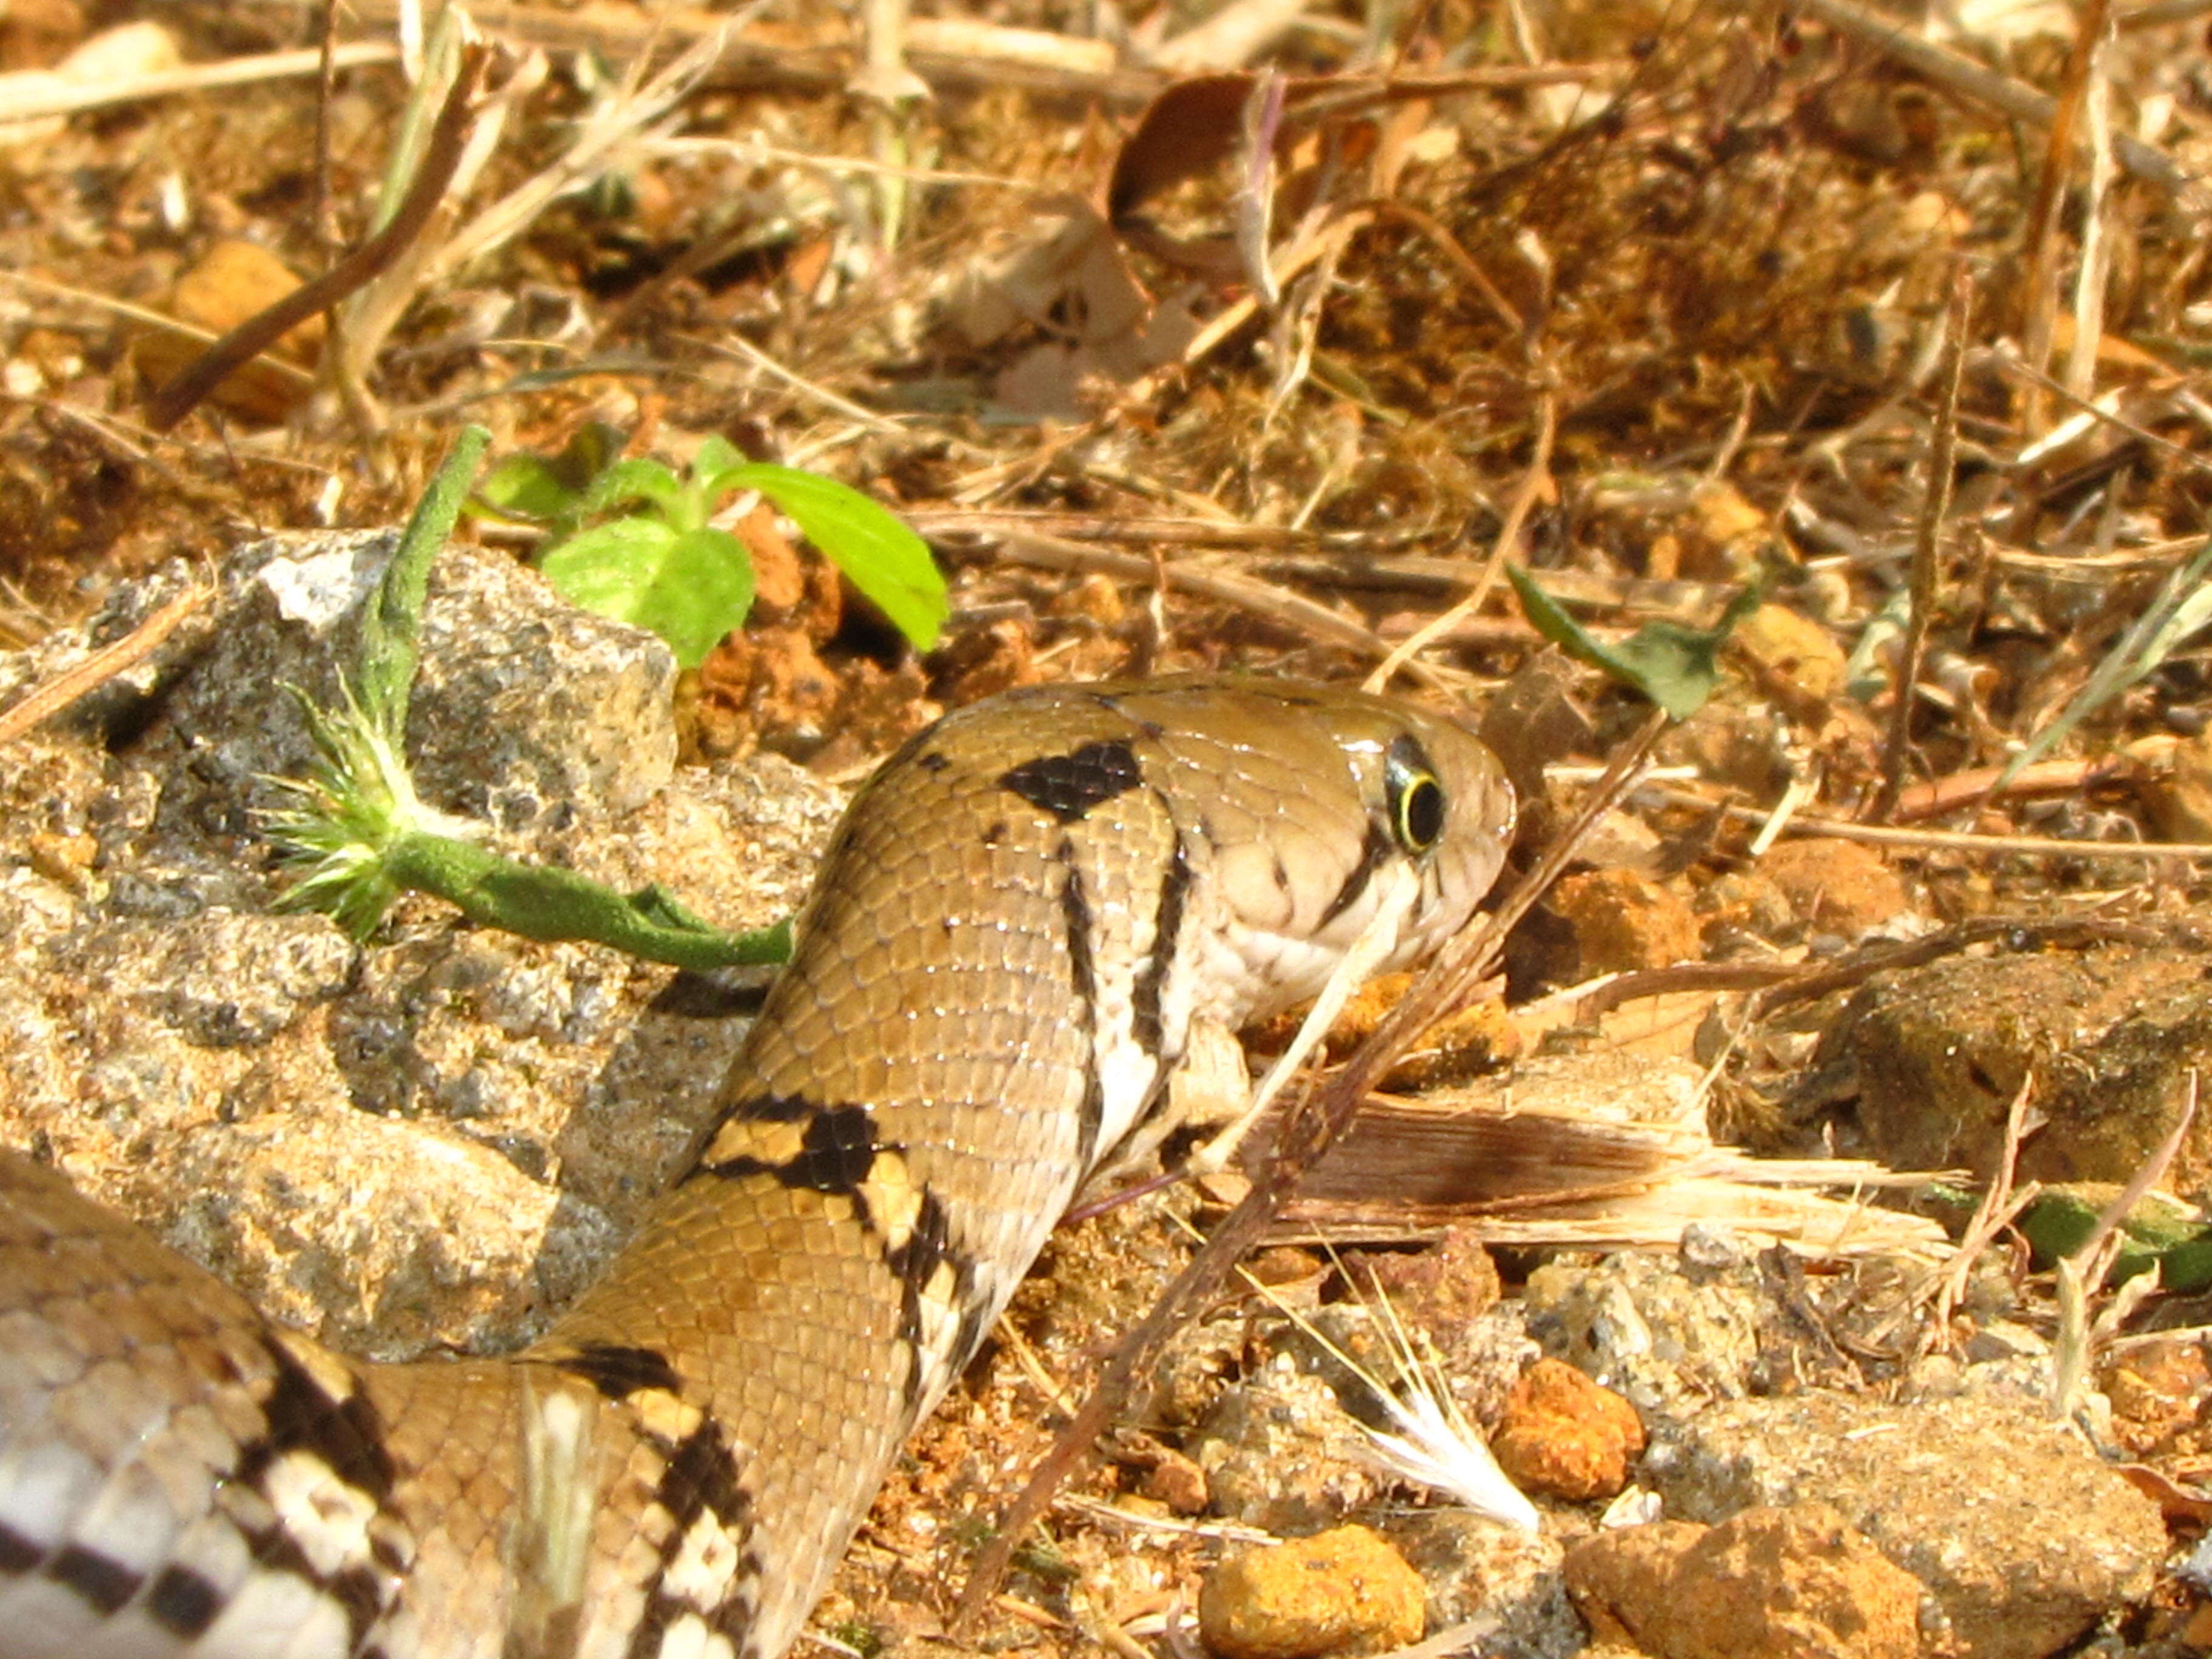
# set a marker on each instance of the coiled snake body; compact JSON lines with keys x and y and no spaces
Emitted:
{"x":1018,"y":924}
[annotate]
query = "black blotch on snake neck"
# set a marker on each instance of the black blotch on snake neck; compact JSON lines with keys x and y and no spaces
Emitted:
{"x":1070,"y":785}
{"x":618,"y":1370}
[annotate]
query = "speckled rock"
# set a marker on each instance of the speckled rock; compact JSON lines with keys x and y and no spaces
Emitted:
{"x":2023,"y":1538}
{"x":1566,"y":1435}
{"x":1641,"y":1325}
{"x":527,"y":710}
{"x":1935,"y":1056}
{"x":1769,"y":1583}
{"x":1344,"y":1591}
{"x":1504,"y":1583}
{"x":431,"y":1142}
{"x":1280,"y":1453}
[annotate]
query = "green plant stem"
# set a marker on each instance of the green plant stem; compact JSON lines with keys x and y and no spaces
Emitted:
{"x":544,"y":903}
{"x":392,"y":623}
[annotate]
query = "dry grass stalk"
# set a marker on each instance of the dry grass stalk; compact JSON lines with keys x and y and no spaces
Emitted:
{"x":28,"y":95}
{"x":1927,"y":552}
{"x":2082,"y":1273}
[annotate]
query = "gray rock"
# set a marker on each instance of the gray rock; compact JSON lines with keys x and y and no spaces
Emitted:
{"x":431,"y":1141}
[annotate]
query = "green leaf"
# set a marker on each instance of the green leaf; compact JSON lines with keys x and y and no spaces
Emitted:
{"x":525,"y":487}
{"x":1672,"y":664}
{"x":690,"y":588}
{"x":545,"y":487}
{"x":715,"y":455}
{"x":637,"y":479}
{"x":887,"y":561}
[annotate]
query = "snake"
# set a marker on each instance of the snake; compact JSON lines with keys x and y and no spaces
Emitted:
{"x":1021,"y":920}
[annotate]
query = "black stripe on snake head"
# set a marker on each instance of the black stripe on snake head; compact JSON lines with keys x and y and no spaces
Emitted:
{"x":1147,"y":998}
{"x":1373,"y":851}
{"x":1069,"y":786}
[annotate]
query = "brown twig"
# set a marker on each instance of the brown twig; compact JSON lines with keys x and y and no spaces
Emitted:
{"x":1310,"y":1128}
{"x":103,"y":665}
{"x":257,"y":333}
{"x":1927,"y":548}
{"x":1806,"y":823}
{"x":1962,"y":789}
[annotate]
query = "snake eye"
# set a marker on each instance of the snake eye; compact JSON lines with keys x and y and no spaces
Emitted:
{"x":1416,"y":798}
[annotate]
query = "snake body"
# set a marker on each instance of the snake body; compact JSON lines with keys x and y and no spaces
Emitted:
{"x":1019,"y":922}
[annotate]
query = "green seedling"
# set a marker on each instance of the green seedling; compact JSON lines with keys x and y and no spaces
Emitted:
{"x":632,"y":539}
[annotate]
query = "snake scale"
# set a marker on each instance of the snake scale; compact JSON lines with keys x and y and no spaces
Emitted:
{"x":1020,"y":920}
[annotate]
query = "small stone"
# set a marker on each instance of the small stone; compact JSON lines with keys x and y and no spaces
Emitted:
{"x":2005,"y":1338}
{"x":1175,"y":1481}
{"x":1794,"y":655}
{"x":1618,"y":1578}
{"x":1564,"y":1435}
{"x":235,"y":280}
{"x":1277,"y":1453}
{"x":1437,"y":1290}
{"x":2161,"y":1396}
{"x":1768,"y":1584}
{"x":1344,"y":1591}
{"x":1837,"y":886}
{"x":1623,"y":920}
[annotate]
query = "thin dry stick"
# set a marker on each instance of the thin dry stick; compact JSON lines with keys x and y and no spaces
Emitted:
{"x":257,"y":333}
{"x":1934,"y":507}
{"x":1534,"y":484}
{"x":1309,"y":1129}
{"x":103,"y":665}
{"x":30,"y":97}
{"x":2040,"y":261}
{"x":1807,"y":823}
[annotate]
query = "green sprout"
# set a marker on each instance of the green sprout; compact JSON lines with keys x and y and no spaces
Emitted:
{"x":632,"y":539}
